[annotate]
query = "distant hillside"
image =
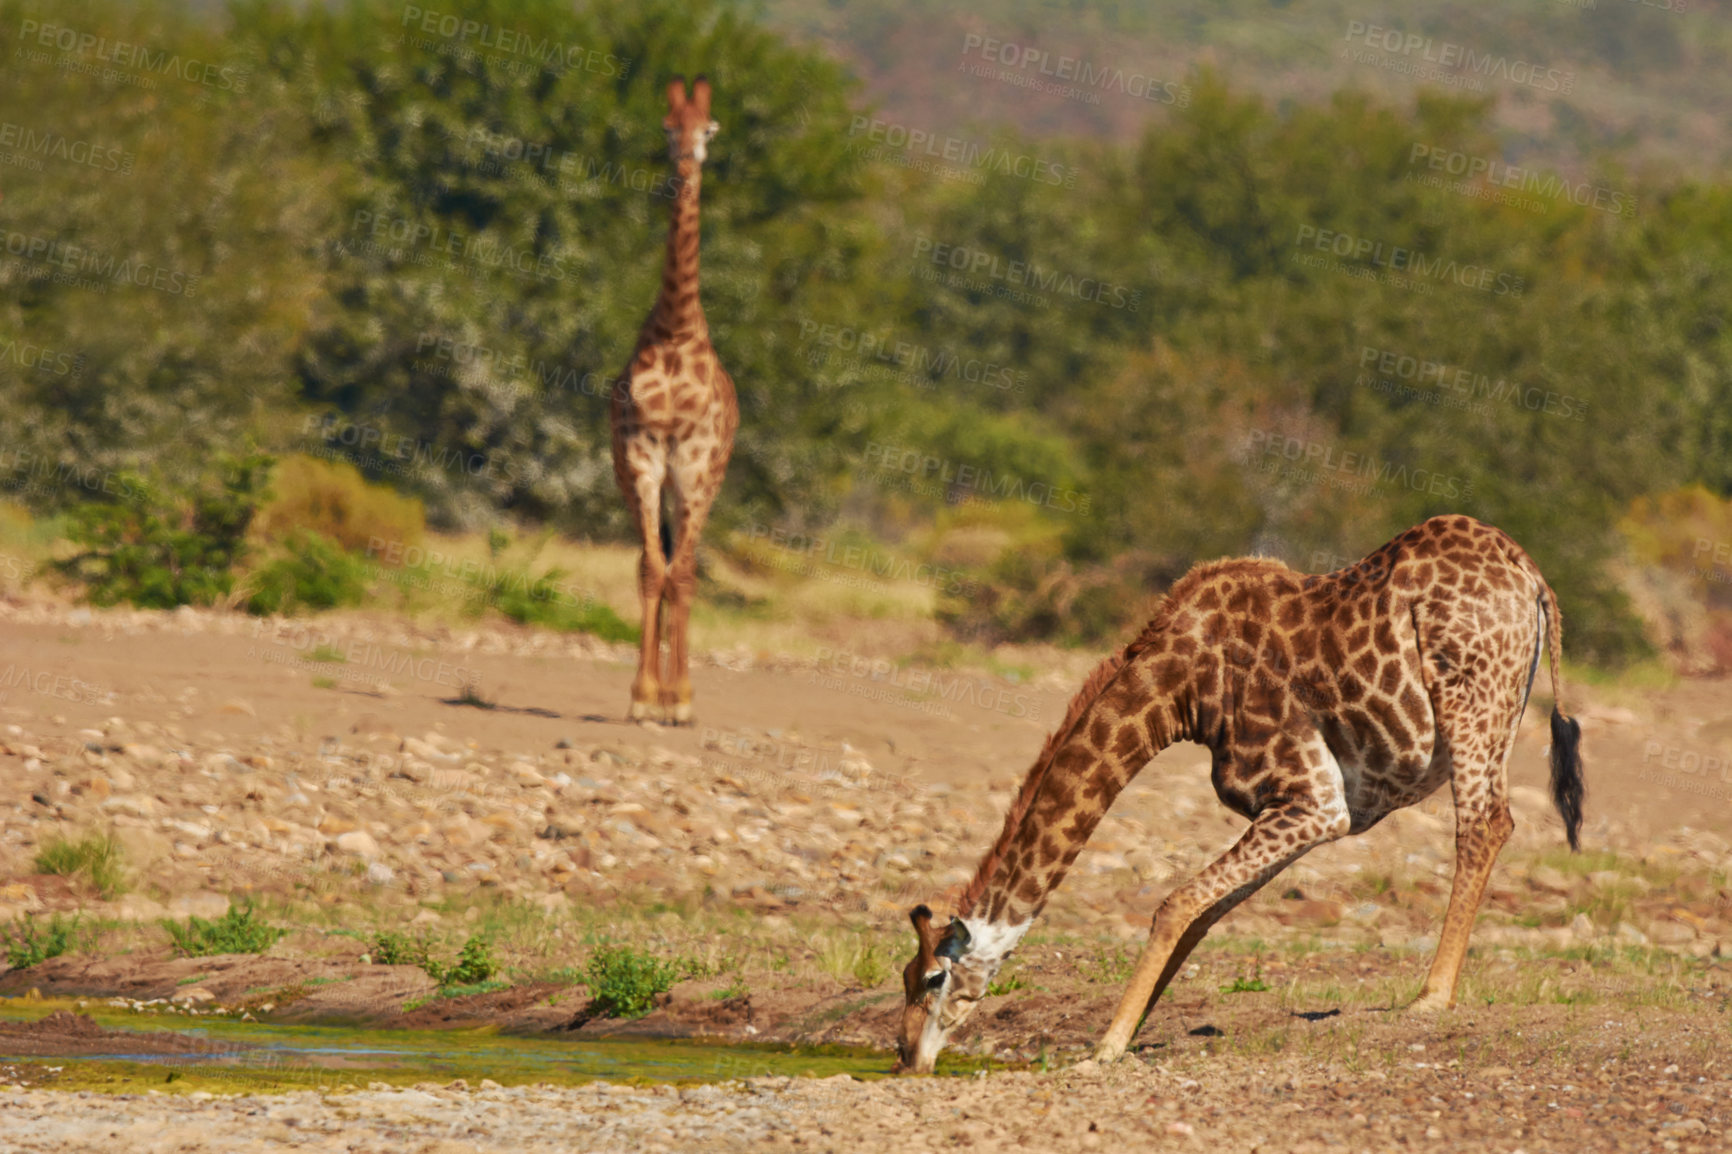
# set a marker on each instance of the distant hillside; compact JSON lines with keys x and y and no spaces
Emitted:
{"x":1572,"y":80}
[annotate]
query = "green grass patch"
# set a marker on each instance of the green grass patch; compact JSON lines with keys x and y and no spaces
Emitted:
{"x":1243,"y":985}
{"x":844,"y":955}
{"x":96,"y":857}
{"x":546,"y":599}
{"x":28,"y":941}
{"x":240,"y":931}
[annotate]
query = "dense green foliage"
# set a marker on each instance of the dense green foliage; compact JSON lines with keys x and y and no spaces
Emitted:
{"x":239,"y":931}
{"x":160,"y":547}
{"x":427,"y":257}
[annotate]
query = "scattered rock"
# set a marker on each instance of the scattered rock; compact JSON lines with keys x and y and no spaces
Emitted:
{"x":359,"y":843}
{"x":1552,"y":880}
{"x":203,"y":904}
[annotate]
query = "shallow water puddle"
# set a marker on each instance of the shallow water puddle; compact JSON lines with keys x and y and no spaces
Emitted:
{"x":229,"y":1056}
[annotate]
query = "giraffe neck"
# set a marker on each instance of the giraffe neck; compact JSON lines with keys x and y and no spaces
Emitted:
{"x":677,"y":309}
{"x":1095,"y":753}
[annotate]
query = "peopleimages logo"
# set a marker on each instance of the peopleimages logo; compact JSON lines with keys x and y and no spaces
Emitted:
{"x":1025,"y":275}
{"x":1265,"y":448}
{"x":956,"y":150}
{"x":1075,"y":70}
{"x":1526,"y":180}
{"x":957,"y":477}
{"x":1423,"y":50}
{"x":473,"y":35}
{"x":34,"y":144}
{"x":921,"y":362}
{"x":1398,"y":258}
{"x":139,"y":57}
{"x":1470,"y":386}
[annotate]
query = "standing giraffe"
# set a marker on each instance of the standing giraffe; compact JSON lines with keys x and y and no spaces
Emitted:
{"x":1328,"y":701}
{"x":674,"y":416}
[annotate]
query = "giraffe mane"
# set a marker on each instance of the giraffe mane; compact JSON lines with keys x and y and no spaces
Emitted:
{"x":1091,"y":689}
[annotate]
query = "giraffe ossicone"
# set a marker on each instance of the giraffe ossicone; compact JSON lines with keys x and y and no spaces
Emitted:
{"x":673,"y":415}
{"x":1329,"y":701}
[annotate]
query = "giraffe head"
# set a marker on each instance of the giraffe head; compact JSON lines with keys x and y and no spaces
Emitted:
{"x":941,"y":987}
{"x":688,"y":120}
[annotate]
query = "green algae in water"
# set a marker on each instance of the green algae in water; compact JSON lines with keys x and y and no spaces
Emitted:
{"x":263,"y":1057}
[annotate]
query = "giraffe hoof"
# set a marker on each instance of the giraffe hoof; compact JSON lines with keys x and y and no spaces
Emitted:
{"x":1429,"y":1005}
{"x":645,"y":711}
{"x":679,"y":713}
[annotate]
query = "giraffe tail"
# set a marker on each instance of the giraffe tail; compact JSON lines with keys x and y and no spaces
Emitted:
{"x":1566,"y":751}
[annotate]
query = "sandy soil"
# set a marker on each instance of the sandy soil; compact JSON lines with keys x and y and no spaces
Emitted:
{"x":232,"y":763}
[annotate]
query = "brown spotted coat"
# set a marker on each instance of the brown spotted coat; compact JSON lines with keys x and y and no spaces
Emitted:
{"x":674,"y":415}
{"x":1328,"y":701}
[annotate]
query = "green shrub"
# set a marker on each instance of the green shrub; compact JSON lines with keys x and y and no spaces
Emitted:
{"x":624,"y":982}
{"x":392,"y":949}
{"x":314,"y":574}
{"x":332,"y":500}
{"x":236,"y":932}
{"x":31,"y":943}
{"x":544,"y":600}
{"x":474,"y":965}
{"x":97,"y":857}
{"x":160,"y":548}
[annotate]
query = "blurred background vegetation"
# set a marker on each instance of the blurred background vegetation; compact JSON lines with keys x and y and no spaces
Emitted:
{"x":1057,"y":351}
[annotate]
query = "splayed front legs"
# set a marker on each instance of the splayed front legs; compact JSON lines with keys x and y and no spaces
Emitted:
{"x":1276,"y":839}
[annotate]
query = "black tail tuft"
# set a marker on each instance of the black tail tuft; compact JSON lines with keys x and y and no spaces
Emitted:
{"x":667,"y":540}
{"x":1567,"y":786}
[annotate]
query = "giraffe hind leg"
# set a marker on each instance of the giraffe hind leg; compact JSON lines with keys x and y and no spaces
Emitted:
{"x":1477,"y":721}
{"x":696,"y":478}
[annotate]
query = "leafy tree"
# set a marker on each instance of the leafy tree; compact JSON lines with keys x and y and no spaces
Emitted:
{"x":158,"y":547}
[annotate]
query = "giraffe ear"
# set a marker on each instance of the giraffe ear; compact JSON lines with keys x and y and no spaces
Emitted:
{"x":921,"y":917}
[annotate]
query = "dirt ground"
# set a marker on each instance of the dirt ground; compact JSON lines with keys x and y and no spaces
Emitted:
{"x":382,"y":774}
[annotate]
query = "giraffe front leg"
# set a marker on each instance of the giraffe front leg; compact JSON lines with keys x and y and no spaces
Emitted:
{"x":1276,"y":839}
{"x":696,"y":472}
